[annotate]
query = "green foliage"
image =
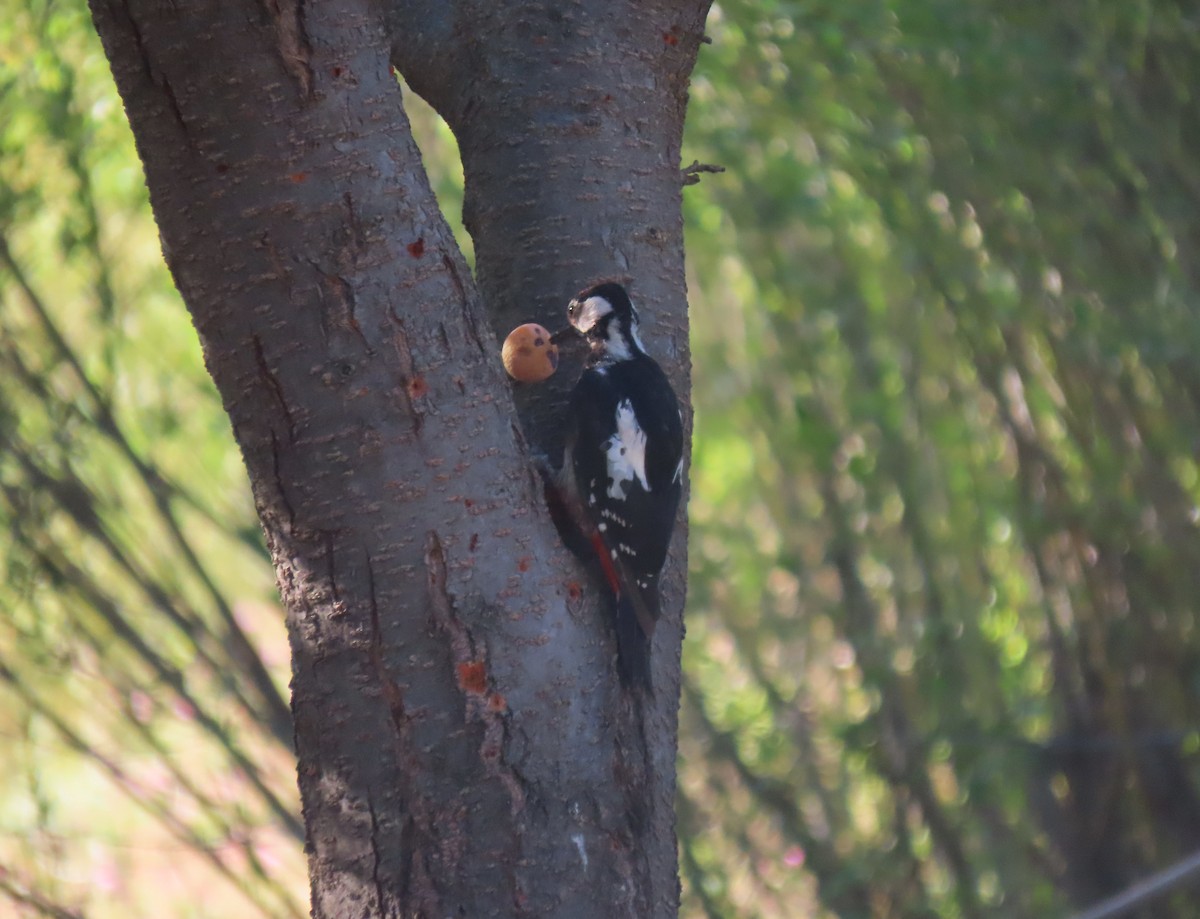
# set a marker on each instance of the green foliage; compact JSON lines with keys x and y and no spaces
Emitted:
{"x":139,"y":721}
{"x":945,"y":554}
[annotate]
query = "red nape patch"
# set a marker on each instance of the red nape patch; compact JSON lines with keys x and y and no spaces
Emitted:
{"x":472,"y":677}
{"x":417,"y":249}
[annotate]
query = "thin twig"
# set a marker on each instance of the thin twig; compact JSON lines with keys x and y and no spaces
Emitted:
{"x":139,"y":796}
{"x":35,"y":901}
{"x":277,"y":715}
{"x":1186,"y":869}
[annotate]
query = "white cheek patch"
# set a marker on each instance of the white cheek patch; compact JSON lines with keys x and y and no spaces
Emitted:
{"x":626,"y":453}
{"x":589,"y":312}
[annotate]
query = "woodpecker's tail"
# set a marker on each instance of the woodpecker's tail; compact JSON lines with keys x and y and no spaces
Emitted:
{"x":636,"y":613}
{"x":634,"y":643}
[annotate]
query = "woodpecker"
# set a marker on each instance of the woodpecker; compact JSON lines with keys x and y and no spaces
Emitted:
{"x":622,"y":467}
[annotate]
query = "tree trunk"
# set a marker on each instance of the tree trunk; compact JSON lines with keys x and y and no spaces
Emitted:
{"x":464,"y":747}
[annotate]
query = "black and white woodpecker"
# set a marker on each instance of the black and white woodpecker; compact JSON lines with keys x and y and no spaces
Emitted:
{"x":622,"y":467}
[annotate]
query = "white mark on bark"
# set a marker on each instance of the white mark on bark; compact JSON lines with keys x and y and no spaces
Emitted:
{"x":581,"y":846}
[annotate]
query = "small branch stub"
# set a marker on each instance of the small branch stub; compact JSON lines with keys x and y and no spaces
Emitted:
{"x":691,"y":174}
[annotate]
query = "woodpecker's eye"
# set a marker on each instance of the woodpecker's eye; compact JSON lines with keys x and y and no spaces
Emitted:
{"x":571,"y":308}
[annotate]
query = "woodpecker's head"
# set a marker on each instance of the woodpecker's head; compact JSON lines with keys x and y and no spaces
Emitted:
{"x":606,"y":316}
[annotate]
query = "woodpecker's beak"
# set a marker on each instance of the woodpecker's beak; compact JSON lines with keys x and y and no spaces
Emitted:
{"x":570,"y":333}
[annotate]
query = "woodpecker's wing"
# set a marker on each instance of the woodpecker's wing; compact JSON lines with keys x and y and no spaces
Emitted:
{"x":626,"y":450}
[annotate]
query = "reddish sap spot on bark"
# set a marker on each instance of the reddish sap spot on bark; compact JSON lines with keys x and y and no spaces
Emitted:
{"x":392,"y":70}
{"x":497,"y":703}
{"x":417,"y":249}
{"x":574,"y":591}
{"x":417,"y":387}
{"x":472,"y":677}
{"x":524,"y":562}
{"x":474,"y":542}
{"x":222,"y":168}
{"x":336,"y":72}
{"x":670,"y":39}
{"x":298,"y":177}
{"x":467,"y":502}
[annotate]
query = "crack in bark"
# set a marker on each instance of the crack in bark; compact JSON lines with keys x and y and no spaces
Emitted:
{"x":470,"y":320}
{"x":407,"y":374}
{"x":335,"y":592}
{"x":484,"y":704}
{"x":392,"y":694}
{"x":277,"y":472}
{"x":444,"y":616}
{"x":415,"y":878}
{"x":292,"y":41}
{"x":375,"y":856}
{"x":156,"y":76}
{"x":272,"y":380}
{"x":353,"y":226}
{"x":629,"y":855}
{"x":339,"y":308}
{"x":645,"y":804}
{"x":408,"y":851}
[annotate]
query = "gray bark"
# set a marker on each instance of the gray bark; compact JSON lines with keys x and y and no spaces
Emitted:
{"x":464,"y":747}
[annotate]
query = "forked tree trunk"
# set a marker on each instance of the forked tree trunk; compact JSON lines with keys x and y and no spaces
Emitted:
{"x":464,"y":748}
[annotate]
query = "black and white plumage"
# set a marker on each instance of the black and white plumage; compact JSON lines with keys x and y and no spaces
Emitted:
{"x":623,"y":466}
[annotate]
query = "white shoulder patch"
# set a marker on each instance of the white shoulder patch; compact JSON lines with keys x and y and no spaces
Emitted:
{"x":616,"y":349}
{"x":626,"y":453}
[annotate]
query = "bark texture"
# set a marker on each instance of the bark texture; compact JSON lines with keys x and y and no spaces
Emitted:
{"x":464,"y":749}
{"x":570,"y":119}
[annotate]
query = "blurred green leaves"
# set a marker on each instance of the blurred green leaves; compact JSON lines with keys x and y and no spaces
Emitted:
{"x":944,"y":343}
{"x":138,"y":712}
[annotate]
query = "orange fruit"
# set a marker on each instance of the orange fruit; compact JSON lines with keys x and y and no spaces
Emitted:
{"x":528,"y":353}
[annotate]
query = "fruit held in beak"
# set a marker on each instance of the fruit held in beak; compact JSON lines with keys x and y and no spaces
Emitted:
{"x":528,"y":353}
